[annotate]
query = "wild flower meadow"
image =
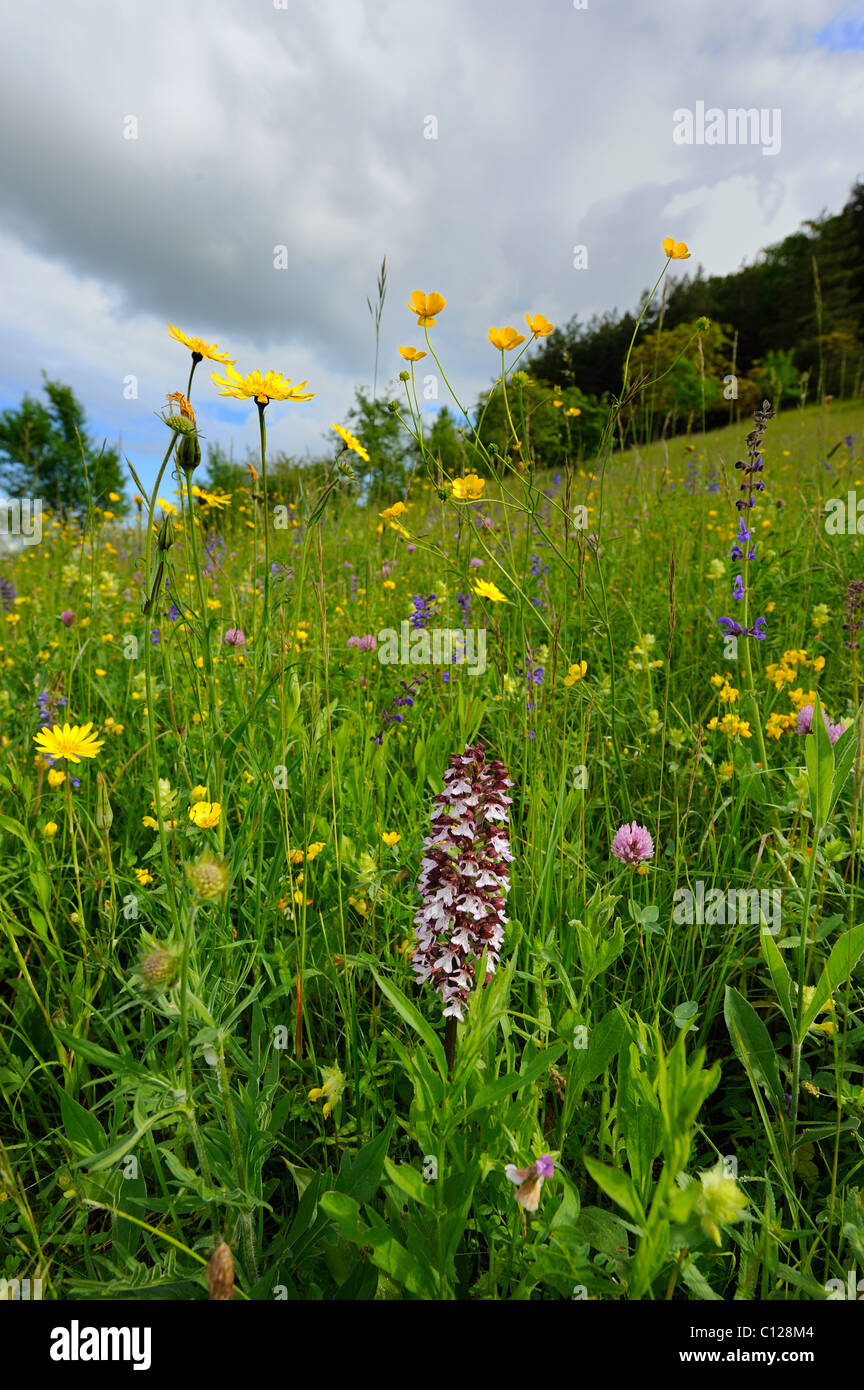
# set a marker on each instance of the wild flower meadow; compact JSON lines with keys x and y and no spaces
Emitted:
{"x":449,"y":899}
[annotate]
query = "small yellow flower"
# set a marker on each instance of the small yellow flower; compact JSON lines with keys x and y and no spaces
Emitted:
{"x":56,"y":778}
{"x":675,"y":250}
{"x":425,"y":306}
{"x":73,"y":743}
{"x":49,"y":829}
{"x":199,"y":348}
{"x":314,"y":850}
{"x":391,"y":513}
{"x":820,"y":615}
{"x":576,"y":672}
{"x":205,"y":814}
{"x":505,"y":340}
{"x":144,"y":877}
{"x":350,"y":442}
{"x":485,"y":589}
{"x":468,"y":489}
{"x":331,"y":1089}
{"x":391,"y":837}
{"x":538,"y":325}
{"x":262,"y":389}
{"x":177,"y":398}
{"x":411,"y":354}
{"x":99,"y":671}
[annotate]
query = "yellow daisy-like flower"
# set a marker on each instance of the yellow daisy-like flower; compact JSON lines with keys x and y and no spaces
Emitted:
{"x":576,"y":673}
{"x":73,"y":743}
{"x":199,"y":348}
{"x":391,"y":513}
{"x":675,"y":250}
{"x":391,"y":837}
{"x":468,"y":489}
{"x":425,"y":306}
{"x":261,"y":389}
{"x":485,"y":589}
{"x":505,"y":340}
{"x":350,"y":442}
{"x":218,"y":499}
{"x":538,"y":325}
{"x":411,"y":354}
{"x":205,"y":814}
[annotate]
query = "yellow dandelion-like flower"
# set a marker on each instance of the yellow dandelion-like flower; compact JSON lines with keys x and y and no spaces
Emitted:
{"x":72,"y":743}
{"x":350,"y":442}
{"x":262,"y":389}
{"x":199,"y":348}
{"x":485,"y":589}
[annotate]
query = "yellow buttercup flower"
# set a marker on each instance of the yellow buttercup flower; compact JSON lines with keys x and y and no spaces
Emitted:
{"x":350,"y":442}
{"x":391,"y":513}
{"x":49,"y":829}
{"x":485,"y":589}
{"x":539,"y":326}
{"x":262,"y":389}
{"x":205,"y":814}
{"x":425,"y":306}
{"x":469,"y":488}
{"x":505,"y":340}
{"x":73,"y":743}
{"x":411,"y":354}
{"x":199,"y":348}
{"x":675,"y":250}
{"x":391,"y":837}
{"x":56,"y":778}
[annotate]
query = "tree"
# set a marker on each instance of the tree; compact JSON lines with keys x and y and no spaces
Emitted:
{"x":45,"y":452}
{"x":392,"y":452}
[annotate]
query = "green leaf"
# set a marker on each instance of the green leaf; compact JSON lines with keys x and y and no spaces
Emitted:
{"x":844,"y":756}
{"x":508,"y":1085}
{"x":81,"y":1127}
{"x":819,"y":757}
{"x":753,"y":1045}
{"x":838,"y":968}
{"x":780,"y":977}
{"x":412,"y":1016}
{"x":618,"y":1186}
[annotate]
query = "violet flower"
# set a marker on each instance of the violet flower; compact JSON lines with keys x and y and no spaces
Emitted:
{"x":530,"y":1180}
{"x":632,"y":844}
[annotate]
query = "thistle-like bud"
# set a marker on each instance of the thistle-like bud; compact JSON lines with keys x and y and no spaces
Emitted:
{"x":160,"y":968}
{"x":180,"y":424}
{"x":220,"y":1273}
{"x":344,"y":467}
{"x":404,"y":376}
{"x":189,"y":452}
{"x":208,"y":877}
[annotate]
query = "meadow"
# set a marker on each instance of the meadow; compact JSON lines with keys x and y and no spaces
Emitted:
{"x":334,"y":969}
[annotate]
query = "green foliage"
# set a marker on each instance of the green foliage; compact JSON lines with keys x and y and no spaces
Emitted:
{"x":45,"y":452}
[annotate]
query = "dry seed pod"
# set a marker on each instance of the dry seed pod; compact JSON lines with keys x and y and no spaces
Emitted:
{"x":220,"y":1273}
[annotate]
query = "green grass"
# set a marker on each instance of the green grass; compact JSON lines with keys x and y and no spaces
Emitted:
{"x":144,"y":1122}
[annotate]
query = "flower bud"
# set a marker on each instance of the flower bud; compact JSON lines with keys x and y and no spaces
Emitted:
{"x":404,"y":376}
{"x":180,"y":424}
{"x":104,"y":814}
{"x":189,"y":453}
{"x":165,"y":538}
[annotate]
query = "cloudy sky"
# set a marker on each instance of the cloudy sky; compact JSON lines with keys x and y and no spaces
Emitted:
{"x":474,"y":143}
